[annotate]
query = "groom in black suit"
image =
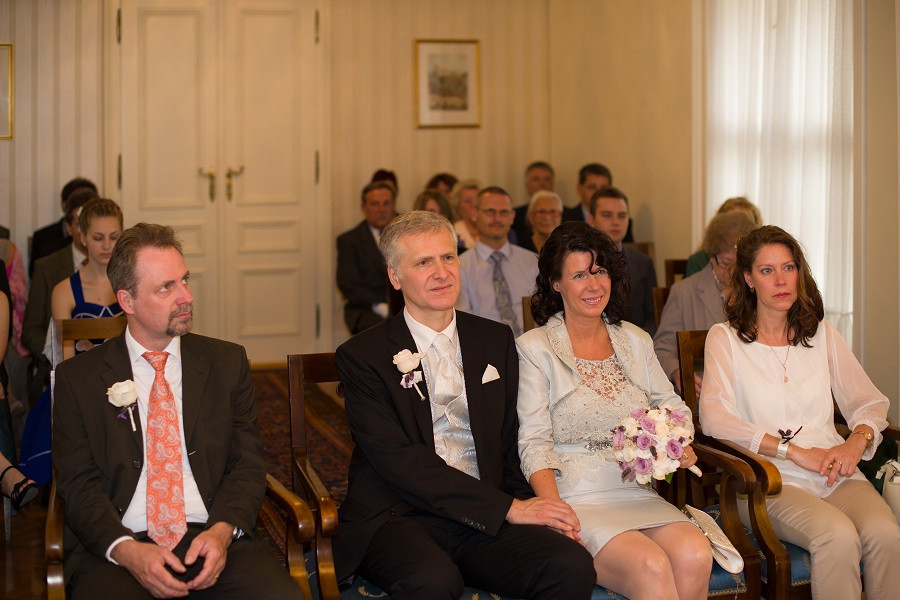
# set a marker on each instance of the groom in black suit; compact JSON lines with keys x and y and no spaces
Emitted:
{"x":102,"y":454}
{"x":436,"y":499}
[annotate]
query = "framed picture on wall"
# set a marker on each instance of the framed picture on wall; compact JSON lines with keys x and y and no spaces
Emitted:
{"x":448,"y":83}
{"x":6,"y":91}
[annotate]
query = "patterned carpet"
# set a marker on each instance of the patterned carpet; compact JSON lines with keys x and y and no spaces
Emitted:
{"x":328,"y":439}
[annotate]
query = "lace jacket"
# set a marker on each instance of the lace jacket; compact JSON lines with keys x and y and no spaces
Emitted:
{"x":548,"y":374}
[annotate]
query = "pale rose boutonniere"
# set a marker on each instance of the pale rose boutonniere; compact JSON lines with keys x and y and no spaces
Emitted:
{"x":407,"y":362}
{"x":124,"y":395}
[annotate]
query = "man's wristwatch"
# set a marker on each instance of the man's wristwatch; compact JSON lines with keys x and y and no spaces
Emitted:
{"x":235,"y":533}
{"x":782,"y":450}
{"x":869,"y":436}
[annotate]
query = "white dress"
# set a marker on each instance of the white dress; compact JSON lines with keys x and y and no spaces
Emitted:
{"x":745,"y":395}
{"x":560,"y":412}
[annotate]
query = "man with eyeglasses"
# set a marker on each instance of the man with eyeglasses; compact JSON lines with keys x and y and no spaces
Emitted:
{"x":496,"y":274}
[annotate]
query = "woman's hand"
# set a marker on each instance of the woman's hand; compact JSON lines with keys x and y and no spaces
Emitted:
{"x":836,"y":462}
{"x":688,"y":459}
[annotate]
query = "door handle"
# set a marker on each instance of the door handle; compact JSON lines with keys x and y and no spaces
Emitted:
{"x":229,"y":180}
{"x":211,"y":173}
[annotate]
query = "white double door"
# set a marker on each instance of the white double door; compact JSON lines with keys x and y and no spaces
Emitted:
{"x":218,"y":139}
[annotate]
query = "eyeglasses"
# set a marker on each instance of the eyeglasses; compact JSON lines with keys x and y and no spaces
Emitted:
{"x":547,"y":212}
{"x":493,"y":212}
{"x":724,"y":264}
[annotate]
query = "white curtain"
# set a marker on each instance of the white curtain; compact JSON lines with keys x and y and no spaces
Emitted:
{"x":779,"y":108}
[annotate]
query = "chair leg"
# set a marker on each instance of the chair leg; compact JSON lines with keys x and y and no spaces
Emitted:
{"x":7,"y":514}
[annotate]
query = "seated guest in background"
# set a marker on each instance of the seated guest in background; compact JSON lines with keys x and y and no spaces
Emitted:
{"x":609,"y":207}
{"x":700,"y":258}
{"x":698,"y":301}
{"x":51,"y":238}
{"x":361,"y":274}
{"x":48,"y":272}
{"x":433,"y":200}
{"x":13,"y":485}
{"x":496,"y":274}
{"x":170,"y":506}
{"x":773,"y":374}
{"x":464,"y":193}
{"x":580,"y":375}
{"x":591,"y":177}
{"x":389,"y":177}
{"x":539,"y":175}
{"x":544,"y":215}
{"x":442,"y":182}
{"x":435,"y":498}
{"x":87,"y":293}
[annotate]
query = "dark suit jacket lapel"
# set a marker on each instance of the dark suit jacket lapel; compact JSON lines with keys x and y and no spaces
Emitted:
{"x":116,"y":368}
{"x":194,"y":372}
{"x":400,"y":338}
{"x":371,"y":251}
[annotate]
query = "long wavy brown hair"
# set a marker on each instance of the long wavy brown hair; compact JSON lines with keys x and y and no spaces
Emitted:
{"x":806,"y":312}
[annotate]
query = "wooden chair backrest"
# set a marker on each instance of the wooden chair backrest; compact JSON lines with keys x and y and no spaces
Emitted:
{"x":67,"y":330}
{"x":643,"y":247}
{"x":675,"y":270}
{"x":527,"y":317}
{"x":690,"y":355}
{"x":660,"y":295}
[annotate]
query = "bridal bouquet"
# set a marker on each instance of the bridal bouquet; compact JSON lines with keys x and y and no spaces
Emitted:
{"x":649,"y":444}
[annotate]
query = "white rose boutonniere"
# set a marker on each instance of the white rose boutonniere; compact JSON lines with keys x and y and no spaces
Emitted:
{"x":407,"y":362}
{"x":124,"y":395}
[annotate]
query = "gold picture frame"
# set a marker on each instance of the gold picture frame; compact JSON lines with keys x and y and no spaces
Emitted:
{"x":447,"y":83}
{"x":7,"y":95}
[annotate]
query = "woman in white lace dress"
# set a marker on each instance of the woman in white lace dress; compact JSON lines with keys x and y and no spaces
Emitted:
{"x":580,"y":374}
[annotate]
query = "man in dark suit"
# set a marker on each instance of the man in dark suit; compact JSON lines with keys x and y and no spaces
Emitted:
{"x":539,"y":175}
{"x":361,"y":274}
{"x":609,"y":214}
{"x":160,"y":494}
{"x":49,"y":271}
{"x":591,"y":177}
{"x":56,"y":236}
{"x":436,"y":498}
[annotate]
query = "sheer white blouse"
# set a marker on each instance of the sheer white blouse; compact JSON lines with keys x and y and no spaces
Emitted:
{"x":744,"y":396}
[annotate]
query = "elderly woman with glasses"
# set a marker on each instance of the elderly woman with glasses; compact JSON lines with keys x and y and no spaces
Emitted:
{"x":544,"y":215}
{"x":698,"y":301}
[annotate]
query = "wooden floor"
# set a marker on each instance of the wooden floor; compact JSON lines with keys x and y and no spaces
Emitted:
{"x":22,"y":560}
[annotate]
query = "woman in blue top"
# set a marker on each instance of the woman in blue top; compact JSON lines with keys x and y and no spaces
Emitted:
{"x":88,"y":293}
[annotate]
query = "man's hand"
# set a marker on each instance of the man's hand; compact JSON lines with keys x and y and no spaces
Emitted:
{"x":212,"y":545}
{"x":147,"y":563}
{"x":556,"y":514}
{"x":676,"y":380}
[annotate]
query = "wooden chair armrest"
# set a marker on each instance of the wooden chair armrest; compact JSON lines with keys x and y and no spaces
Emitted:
{"x":323,"y":505}
{"x":53,"y":545}
{"x":744,"y":477}
{"x":768,"y":478}
{"x":892,"y":433}
{"x":300,"y":517}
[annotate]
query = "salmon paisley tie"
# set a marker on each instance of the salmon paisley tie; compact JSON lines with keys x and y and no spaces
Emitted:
{"x":166,"y":523}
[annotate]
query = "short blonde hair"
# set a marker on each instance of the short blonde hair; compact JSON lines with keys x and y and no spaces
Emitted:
{"x":543,"y":194}
{"x":741,"y":203}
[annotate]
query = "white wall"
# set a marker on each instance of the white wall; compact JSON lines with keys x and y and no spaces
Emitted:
{"x":58,"y":108}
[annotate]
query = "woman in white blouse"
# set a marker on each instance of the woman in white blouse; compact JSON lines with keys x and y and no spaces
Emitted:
{"x":770,"y":373}
{"x":580,"y":374}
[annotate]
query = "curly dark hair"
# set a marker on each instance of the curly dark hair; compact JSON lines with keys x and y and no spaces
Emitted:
{"x":576,"y":236}
{"x":807,"y":311}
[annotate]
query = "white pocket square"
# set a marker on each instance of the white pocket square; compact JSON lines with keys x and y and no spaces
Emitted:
{"x":490,"y":374}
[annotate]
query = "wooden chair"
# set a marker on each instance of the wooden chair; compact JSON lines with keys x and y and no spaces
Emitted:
{"x":660,"y":295}
{"x":786,"y":566}
{"x":675,"y":270}
{"x":527,"y":317}
{"x":731,"y":475}
{"x":643,"y":247}
{"x":281,"y":506}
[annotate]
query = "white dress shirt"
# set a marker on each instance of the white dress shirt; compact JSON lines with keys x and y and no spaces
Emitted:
{"x":135,"y":517}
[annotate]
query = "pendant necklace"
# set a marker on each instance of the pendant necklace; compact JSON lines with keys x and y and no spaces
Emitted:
{"x":772,"y":348}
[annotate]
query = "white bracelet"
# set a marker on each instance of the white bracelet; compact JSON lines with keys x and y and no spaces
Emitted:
{"x":782,"y":450}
